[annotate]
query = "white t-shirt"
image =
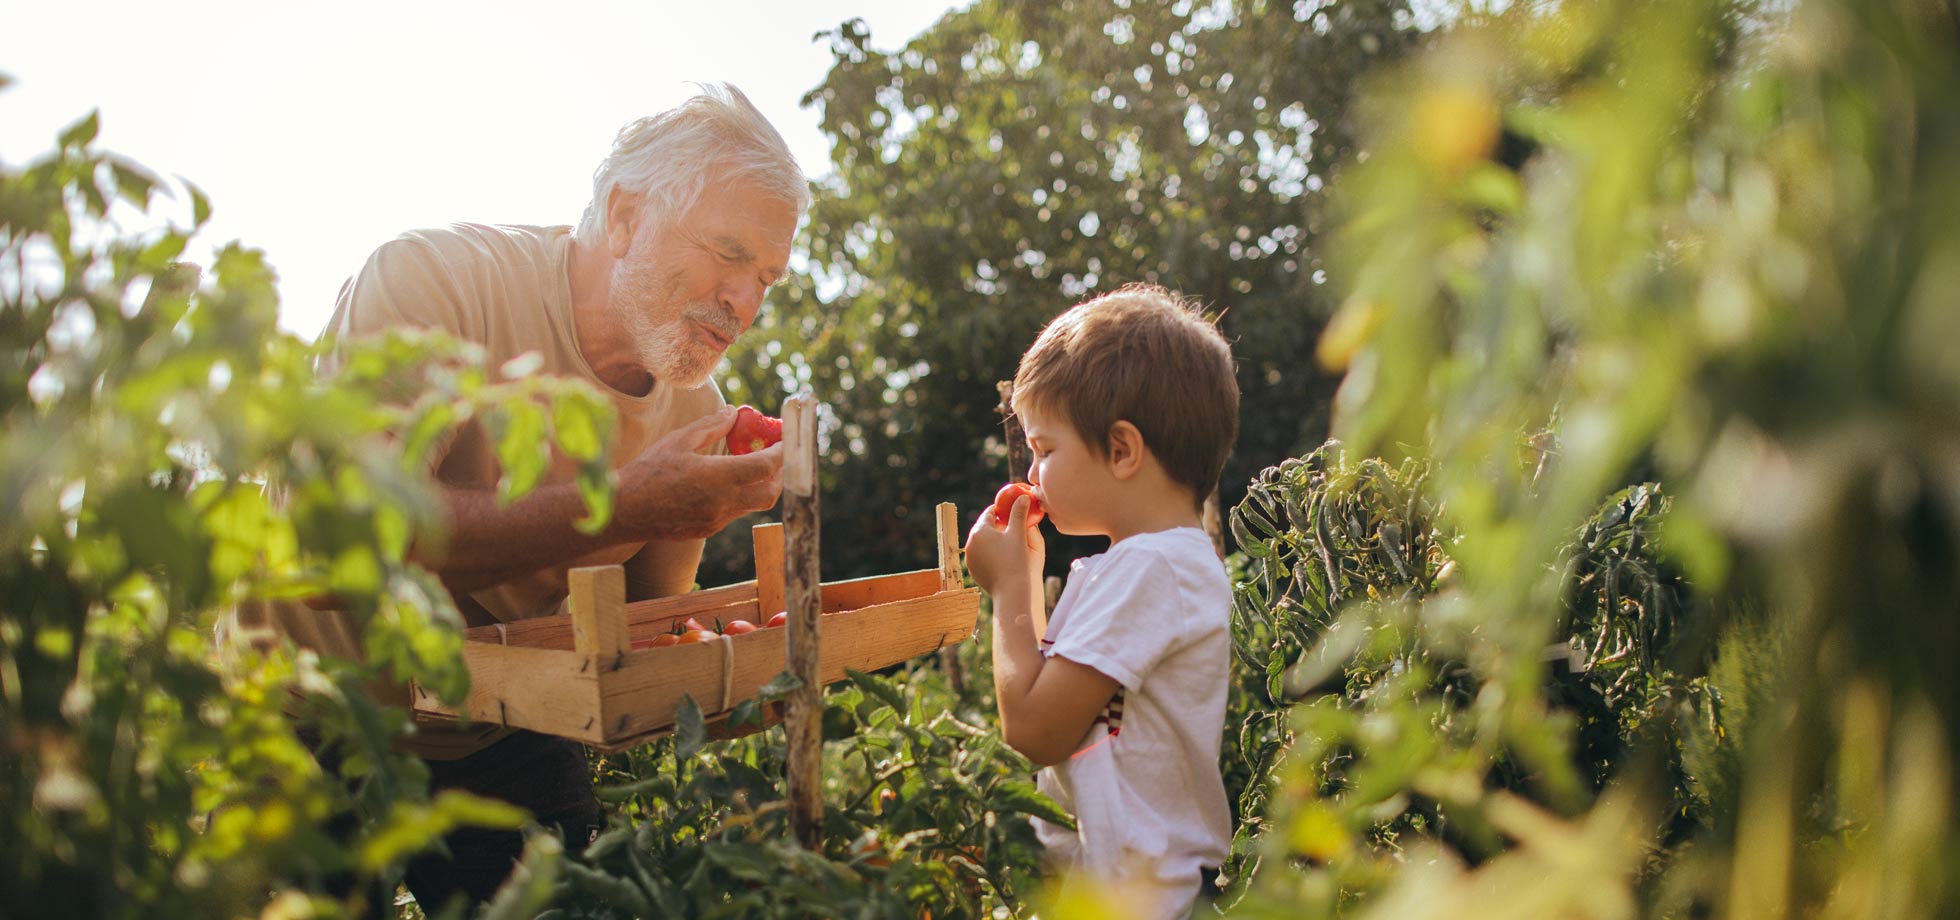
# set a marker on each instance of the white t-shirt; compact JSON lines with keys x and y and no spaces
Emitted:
{"x":1154,"y":614}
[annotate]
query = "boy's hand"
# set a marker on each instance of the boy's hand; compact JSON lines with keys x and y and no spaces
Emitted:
{"x":1005,"y":557}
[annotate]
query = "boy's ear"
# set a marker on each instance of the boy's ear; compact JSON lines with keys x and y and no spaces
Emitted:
{"x":1126,"y":450}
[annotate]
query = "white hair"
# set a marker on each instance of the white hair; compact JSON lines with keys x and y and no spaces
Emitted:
{"x":668,"y":159}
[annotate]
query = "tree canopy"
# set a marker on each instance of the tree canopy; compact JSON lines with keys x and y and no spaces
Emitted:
{"x":1017,"y":158}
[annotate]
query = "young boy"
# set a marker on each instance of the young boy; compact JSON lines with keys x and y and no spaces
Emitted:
{"x":1130,"y":405}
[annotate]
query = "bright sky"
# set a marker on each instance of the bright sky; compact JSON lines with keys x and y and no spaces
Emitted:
{"x":321,"y":130}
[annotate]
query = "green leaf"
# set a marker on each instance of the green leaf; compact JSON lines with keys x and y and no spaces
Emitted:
{"x":412,"y":827}
{"x":133,"y":183}
{"x":879,"y":688}
{"x":611,"y":890}
{"x":1022,"y":796}
{"x":580,"y":422}
{"x":531,"y":882}
{"x":779,"y":686}
{"x":595,"y":489}
{"x":690,"y":732}
{"x":838,"y":723}
{"x":82,"y":132}
{"x":200,"y":205}
{"x":519,"y":430}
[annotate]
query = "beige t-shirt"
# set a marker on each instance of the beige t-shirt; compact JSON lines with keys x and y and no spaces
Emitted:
{"x":508,"y":289}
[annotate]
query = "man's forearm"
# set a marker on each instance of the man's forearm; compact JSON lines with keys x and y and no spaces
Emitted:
{"x":487,"y":544}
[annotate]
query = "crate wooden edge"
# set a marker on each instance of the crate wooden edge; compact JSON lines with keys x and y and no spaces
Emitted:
{"x":625,"y":701}
{"x":640,"y":700}
{"x":555,"y":688}
{"x":649,"y":618}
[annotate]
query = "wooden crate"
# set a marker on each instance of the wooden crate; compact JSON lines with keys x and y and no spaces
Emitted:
{"x":577,"y":675}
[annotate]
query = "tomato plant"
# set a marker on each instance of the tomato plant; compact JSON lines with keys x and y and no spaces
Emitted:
{"x":927,"y":814}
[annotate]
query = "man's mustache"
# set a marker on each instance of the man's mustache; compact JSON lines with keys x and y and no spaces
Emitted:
{"x":720,"y":320}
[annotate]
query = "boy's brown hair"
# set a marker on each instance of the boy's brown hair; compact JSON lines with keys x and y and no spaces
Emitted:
{"x":1145,"y":355}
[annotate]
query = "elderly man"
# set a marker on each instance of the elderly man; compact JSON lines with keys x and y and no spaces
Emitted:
{"x":689,"y":225}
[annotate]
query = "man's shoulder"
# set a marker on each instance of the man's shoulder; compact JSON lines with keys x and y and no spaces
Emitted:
{"x":501,"y":243}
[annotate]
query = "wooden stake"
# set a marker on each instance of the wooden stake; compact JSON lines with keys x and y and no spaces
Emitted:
{"x":802,"y":584}
{"x":1017,"y":440}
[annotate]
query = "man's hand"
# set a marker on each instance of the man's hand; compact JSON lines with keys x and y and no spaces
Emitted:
{"x":1005,"y":558}
{"x":676,"y":489}
{"x":673,"y":491}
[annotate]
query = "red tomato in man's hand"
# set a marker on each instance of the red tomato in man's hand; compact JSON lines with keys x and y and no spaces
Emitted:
{"x":753,"y":431}
{"x":1004,"y":503}
{"x":781,"y":618}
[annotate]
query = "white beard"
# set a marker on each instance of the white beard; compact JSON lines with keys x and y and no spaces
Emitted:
{"x":668,"y":351}
{"x":666,"y":346}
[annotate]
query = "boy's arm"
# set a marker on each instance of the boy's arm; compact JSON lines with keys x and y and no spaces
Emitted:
{"x":1046,"y":704}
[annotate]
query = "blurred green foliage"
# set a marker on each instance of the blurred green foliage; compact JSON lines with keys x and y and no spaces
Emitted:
{"x":1721,"y":254}
{"x":1364,"y":724}
{"x":166,"y":455}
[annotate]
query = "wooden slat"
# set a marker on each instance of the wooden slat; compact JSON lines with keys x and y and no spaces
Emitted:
{"x":642,"y":696}
{"x":684,"y":604}
{"x":879,"y":589}
{"x":556,"y":631}
{"x":946,"y":523}
{"x":544,"y":690}
{"x":645,"y":619}
{"x":768,"y":540}
{"x":598,"y":613}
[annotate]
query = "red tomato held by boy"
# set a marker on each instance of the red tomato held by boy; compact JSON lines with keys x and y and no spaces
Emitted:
{"x":1004,"y":503}
{"x":753,"y":431}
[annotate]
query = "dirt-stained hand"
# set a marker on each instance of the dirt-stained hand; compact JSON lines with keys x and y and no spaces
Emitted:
{"x":677,"y":489}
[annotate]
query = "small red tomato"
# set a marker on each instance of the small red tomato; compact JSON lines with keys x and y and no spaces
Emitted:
{"x":781,"y":618}
{"x":1004,"y":503}
{"x":661,"y":641}
{"x":737,"y":627}
{"x":753,"y":431}
{"x":697,"y":635}
{"x":690,"y":624}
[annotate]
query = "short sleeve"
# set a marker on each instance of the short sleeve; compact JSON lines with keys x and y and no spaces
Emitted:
{"x":1124,"y":617}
